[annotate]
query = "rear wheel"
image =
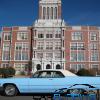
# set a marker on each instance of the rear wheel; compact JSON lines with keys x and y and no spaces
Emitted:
{"x":10,"y":90}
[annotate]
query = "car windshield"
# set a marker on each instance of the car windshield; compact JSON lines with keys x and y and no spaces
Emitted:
{"x":35,"y":75}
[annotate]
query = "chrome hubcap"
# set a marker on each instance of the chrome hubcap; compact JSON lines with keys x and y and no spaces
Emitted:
{"x":10,"y":90}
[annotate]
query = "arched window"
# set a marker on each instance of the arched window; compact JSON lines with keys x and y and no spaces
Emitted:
{"x":48,"y":66}
{"x":44,"y":12}
{"x":58,"y":66}
{"x":38,"y":67}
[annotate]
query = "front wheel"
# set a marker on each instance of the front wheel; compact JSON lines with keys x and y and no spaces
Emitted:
{"x":10,"y":90}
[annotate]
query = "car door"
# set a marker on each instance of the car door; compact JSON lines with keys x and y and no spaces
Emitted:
{"x":58,"y":80}
{"x":41,"y":82}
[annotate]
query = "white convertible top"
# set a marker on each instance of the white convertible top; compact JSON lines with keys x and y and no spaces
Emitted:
{"x":65,"y":72}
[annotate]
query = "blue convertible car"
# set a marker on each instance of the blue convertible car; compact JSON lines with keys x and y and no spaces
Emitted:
{"x":45,"y":81}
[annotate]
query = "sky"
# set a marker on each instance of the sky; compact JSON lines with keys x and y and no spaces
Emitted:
{"x":25,"y":12}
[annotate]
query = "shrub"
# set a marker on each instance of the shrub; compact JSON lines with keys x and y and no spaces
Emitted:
{"x":72,"y":70}
{"x":85,"y":72}
{"x":0,"y":71}
{"x":11,"y":71}
{"x":7,"y":72}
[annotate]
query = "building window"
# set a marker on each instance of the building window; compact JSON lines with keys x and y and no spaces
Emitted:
{"x":58,"y":66}
{"x":21,"y":46}
{"x":18,"y":46}
{"x":73,"y":56}
{"x":77,"y":67}
{"x":6,"y":47}
{"x":5,"y":65}
{"x":7,"y":36}
{"x":57,"y":45}
{"x":63,"y":31}
{"x":18,"y":55}
{"x":49,"y":35}
{"x":94,"y":46}
{"x":48,"y":66}
{"x":25,"y":46}
{"x":22,"y":51}
{"x":18,"y":67}
{"x":93,"y":36}
{"x":44,"y":12}
{"x":51,"y":12}
{"x":40,"y":45}
{"x":77,"y":56}
{"x":22,"y":36}
{"x":94,"y":56}
{"x":77,"y":46}
{"x":58,"y":55}
{"x":73,"y":67}
{"x":6,"y":51}
{"x":48,"y":12}
{"x":49,"y":55}
{"x":6,"y":55}
{"x":49,"y":45}
{"x":38,"y":67}
{"x":80,"y":56}
{"x":25,"y":56}
{"x":63,"y":43}
{"x":80,"y":46}
{"x":77,"y":36}
{"x":21,"y":55}
{"x":55,"y":13}
{"x":40,"y":35}
{"x":95,"y":67}
{"x":39,"y":55}
{"x":57,"y":35}
{"x":21,"y":67}
{"x":73,"y":46}
{"x":63,"y":55}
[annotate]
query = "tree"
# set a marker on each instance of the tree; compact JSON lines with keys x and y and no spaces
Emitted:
{"x":84,"y":72}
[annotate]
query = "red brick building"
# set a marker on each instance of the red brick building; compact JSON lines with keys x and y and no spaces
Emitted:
{"x":16,"y":47}
{"x":82,"y":47}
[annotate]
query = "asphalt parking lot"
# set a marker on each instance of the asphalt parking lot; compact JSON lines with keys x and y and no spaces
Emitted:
{"x":16,"y":98}
{"x":20,"y":97}
{"x":23,"y":97}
